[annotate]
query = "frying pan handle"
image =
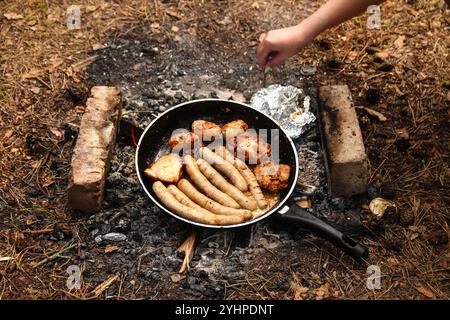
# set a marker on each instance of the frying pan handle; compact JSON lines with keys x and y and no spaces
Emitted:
{"x":298,"y":215}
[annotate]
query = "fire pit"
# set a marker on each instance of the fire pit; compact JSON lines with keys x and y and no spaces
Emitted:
{"x":142,"y":241}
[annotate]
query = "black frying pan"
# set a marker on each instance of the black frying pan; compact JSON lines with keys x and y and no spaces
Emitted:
{"x":154,"y":143}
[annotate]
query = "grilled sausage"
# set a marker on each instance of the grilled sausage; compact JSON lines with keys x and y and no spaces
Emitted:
{"x":247,"y":174}
{"x":225,"y":167}
{"x":221,"y":183}
{"x":209,"y":189}
{"x":181,"y":197}
{"x":196,"y":215}
{"x":189,"y":190}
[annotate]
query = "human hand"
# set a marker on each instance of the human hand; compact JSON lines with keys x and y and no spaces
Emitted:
{"x":278,"y":45}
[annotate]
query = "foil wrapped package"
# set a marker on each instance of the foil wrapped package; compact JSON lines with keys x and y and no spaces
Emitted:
{"x":283,"y":104}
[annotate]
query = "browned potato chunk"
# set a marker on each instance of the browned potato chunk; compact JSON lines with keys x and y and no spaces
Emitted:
{"x":272,"y":177}
{"x":234,"y":128}
{"x":206,"y":130}
{"x":168,"y":169}
{"x":183,"y":139}
{"x":253,"y":148}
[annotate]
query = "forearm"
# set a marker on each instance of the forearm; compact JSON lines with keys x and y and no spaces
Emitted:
{"x":278,"y":45}
{"x":333,"y":13}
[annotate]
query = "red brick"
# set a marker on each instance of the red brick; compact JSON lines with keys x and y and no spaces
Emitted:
{"x":346,"y":157}
{"x":92,"y":153}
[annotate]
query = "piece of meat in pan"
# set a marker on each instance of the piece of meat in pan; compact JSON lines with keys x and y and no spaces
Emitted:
{"x":272,"y":177}
{"x":206,"y":130}
{"x":168,"y":169}
{"x":252,"y":147}
{"x":234,"y":128}
{"x":183,"y":140}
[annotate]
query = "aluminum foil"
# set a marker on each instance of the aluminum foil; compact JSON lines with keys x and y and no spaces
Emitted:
{"x":282,"y":103}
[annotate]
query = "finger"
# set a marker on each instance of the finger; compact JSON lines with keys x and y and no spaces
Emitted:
{"x":262,"y":37}
{"x":261,"y":60}
{"x":262,"y":50}
{"x":261,"y":53}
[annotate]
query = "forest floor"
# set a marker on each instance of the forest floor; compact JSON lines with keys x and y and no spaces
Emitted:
{"x":399,"y":71}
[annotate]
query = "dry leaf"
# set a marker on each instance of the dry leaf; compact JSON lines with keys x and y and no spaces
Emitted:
{"x":399,"y":42}
{"x":13,"y":16}
{"x":155,"y":25}
{"x":323,"y":291}
{"x":383,"y":54}
{"x":425,"y":291}
{"x":392,"y":261}
{"x":35,"y":90}
{"x":188,"y":247}
{"x":176,"y":277}
{"x":98,"y":46}
{"x":57,"y":132}
{"x":374,"y":113}
{"x":379,"y":205}
{"x":352,"y":55}
{"x":175,"y":29}
{"x":32,"y":74}
{"x":111,"y":248}
{"x":299,"y":291}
